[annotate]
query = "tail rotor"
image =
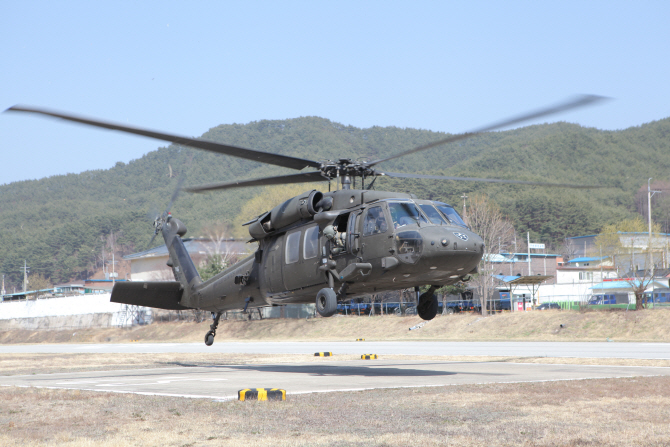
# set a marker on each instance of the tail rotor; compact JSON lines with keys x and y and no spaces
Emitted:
{"x":160,"y":220}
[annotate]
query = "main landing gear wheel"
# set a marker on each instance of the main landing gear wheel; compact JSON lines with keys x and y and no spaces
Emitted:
{"x":209,"y":338}
{"x":427,"y":308}
{"x":326,"y":302}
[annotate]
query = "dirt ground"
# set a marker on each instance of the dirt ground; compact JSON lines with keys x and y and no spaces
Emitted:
{"x":618,"y":325}
{"x":619,"y":412}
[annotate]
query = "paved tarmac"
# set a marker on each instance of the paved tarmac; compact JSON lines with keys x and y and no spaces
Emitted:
{"x":515,"y":349}
{"x":222,"y":382}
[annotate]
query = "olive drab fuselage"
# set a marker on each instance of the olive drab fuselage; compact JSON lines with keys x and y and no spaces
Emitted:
{"x":364,"y":242}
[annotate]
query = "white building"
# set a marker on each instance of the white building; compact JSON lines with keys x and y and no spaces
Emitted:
{"x":585,"y":270}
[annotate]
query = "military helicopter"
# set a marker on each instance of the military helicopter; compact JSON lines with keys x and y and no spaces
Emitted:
{"x":322,"y":247}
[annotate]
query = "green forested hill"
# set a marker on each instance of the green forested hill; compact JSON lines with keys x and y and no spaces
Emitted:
{"x":59,"y":224}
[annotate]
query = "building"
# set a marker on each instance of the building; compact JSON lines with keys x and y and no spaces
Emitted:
{"x":621,"y":292}
{"x":634,"y":245}
{"x":585,"y":270}
{"x":516,"y":264}
{"x":151,"y":265}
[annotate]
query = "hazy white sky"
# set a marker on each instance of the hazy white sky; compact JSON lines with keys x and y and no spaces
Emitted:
{"x":185,"y":67}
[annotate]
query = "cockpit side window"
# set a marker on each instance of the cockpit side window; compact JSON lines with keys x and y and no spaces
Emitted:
{"x":405,"y":213}
{"x":434,"y":215}
{"x":451,"y":214}
{"x":375,"y":222}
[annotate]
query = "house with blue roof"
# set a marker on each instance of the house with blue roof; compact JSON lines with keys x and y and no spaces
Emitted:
{"x":586,"y":270}
{"x":621,"y":292}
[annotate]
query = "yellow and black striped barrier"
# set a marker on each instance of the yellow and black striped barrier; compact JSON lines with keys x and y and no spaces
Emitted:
{"x":261,"y":394}
{"x":323,"y":354}
{"x":360,"y":339}
{"x":368,"y":356}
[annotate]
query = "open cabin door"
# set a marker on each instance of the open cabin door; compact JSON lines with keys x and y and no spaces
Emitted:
{"x":376,"y":239}
{"x":353,"y":233}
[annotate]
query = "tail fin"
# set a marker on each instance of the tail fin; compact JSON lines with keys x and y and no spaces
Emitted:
{"x":177,"y":295}
{"x":182,"y":265}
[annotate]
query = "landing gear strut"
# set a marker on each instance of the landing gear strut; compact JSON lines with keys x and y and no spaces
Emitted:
{"x":427,"y":308}
{"x":209,"y":337}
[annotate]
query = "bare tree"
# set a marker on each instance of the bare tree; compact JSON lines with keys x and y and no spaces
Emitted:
{"x":568,"y":249}
{"x":220,"y":250}
{"x":486,"y":219}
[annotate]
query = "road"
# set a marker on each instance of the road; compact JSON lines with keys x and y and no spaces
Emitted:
{"x":515,"y":349}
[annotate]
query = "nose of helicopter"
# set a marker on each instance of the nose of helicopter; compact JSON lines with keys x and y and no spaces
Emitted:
{"x":451,"y":248}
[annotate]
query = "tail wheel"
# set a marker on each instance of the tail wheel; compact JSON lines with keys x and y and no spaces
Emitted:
{"x":326,"y":302}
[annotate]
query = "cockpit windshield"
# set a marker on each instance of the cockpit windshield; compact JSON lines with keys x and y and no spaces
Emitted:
{"x":405,"y":213}
{"x":434,"y":215}
{"x":451,"y":213}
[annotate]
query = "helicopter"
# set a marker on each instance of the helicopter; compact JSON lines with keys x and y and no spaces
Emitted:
{"x":321,"y":247}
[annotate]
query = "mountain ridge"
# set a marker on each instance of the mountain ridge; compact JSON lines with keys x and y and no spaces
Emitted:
{"x":60,"y":223}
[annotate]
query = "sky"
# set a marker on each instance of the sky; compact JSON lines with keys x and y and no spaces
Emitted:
{"x":185,"y":67}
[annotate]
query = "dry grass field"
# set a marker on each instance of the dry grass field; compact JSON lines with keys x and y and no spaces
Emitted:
{"x":620,"y":412}
{"x":614,"y":412}
{"x":618,"y":325}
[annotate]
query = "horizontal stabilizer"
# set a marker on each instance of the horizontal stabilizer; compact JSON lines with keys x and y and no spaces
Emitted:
{"x":158,"y":294}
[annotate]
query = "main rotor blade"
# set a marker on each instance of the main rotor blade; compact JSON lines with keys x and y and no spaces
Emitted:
{"x":234,"y":151}
{"x":303,"y":177}
{"x":579,"y":101}
{"x":488,"y":180}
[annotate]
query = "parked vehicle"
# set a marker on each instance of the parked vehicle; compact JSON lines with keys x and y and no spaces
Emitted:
{"x":548,"y":306}
{"x":617,"y":298}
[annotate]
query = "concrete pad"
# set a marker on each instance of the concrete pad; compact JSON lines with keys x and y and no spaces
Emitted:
{"x":224,"y":381}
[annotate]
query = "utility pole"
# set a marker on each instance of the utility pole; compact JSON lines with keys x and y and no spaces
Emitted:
{"x":113,"y":261}
{"x":650,"y":194}
{"x":4,"y":292}
{"x":529,"y":269}
{"x":25,"y":276}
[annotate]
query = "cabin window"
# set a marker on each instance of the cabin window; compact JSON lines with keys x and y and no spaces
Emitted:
{"x":311,"y":243}
{"x":375,"y":222}
{"x":292,"y":247}
{"x":405,"y":213}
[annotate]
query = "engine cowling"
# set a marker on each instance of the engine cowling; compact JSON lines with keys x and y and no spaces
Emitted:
{"x":299,"y":207}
